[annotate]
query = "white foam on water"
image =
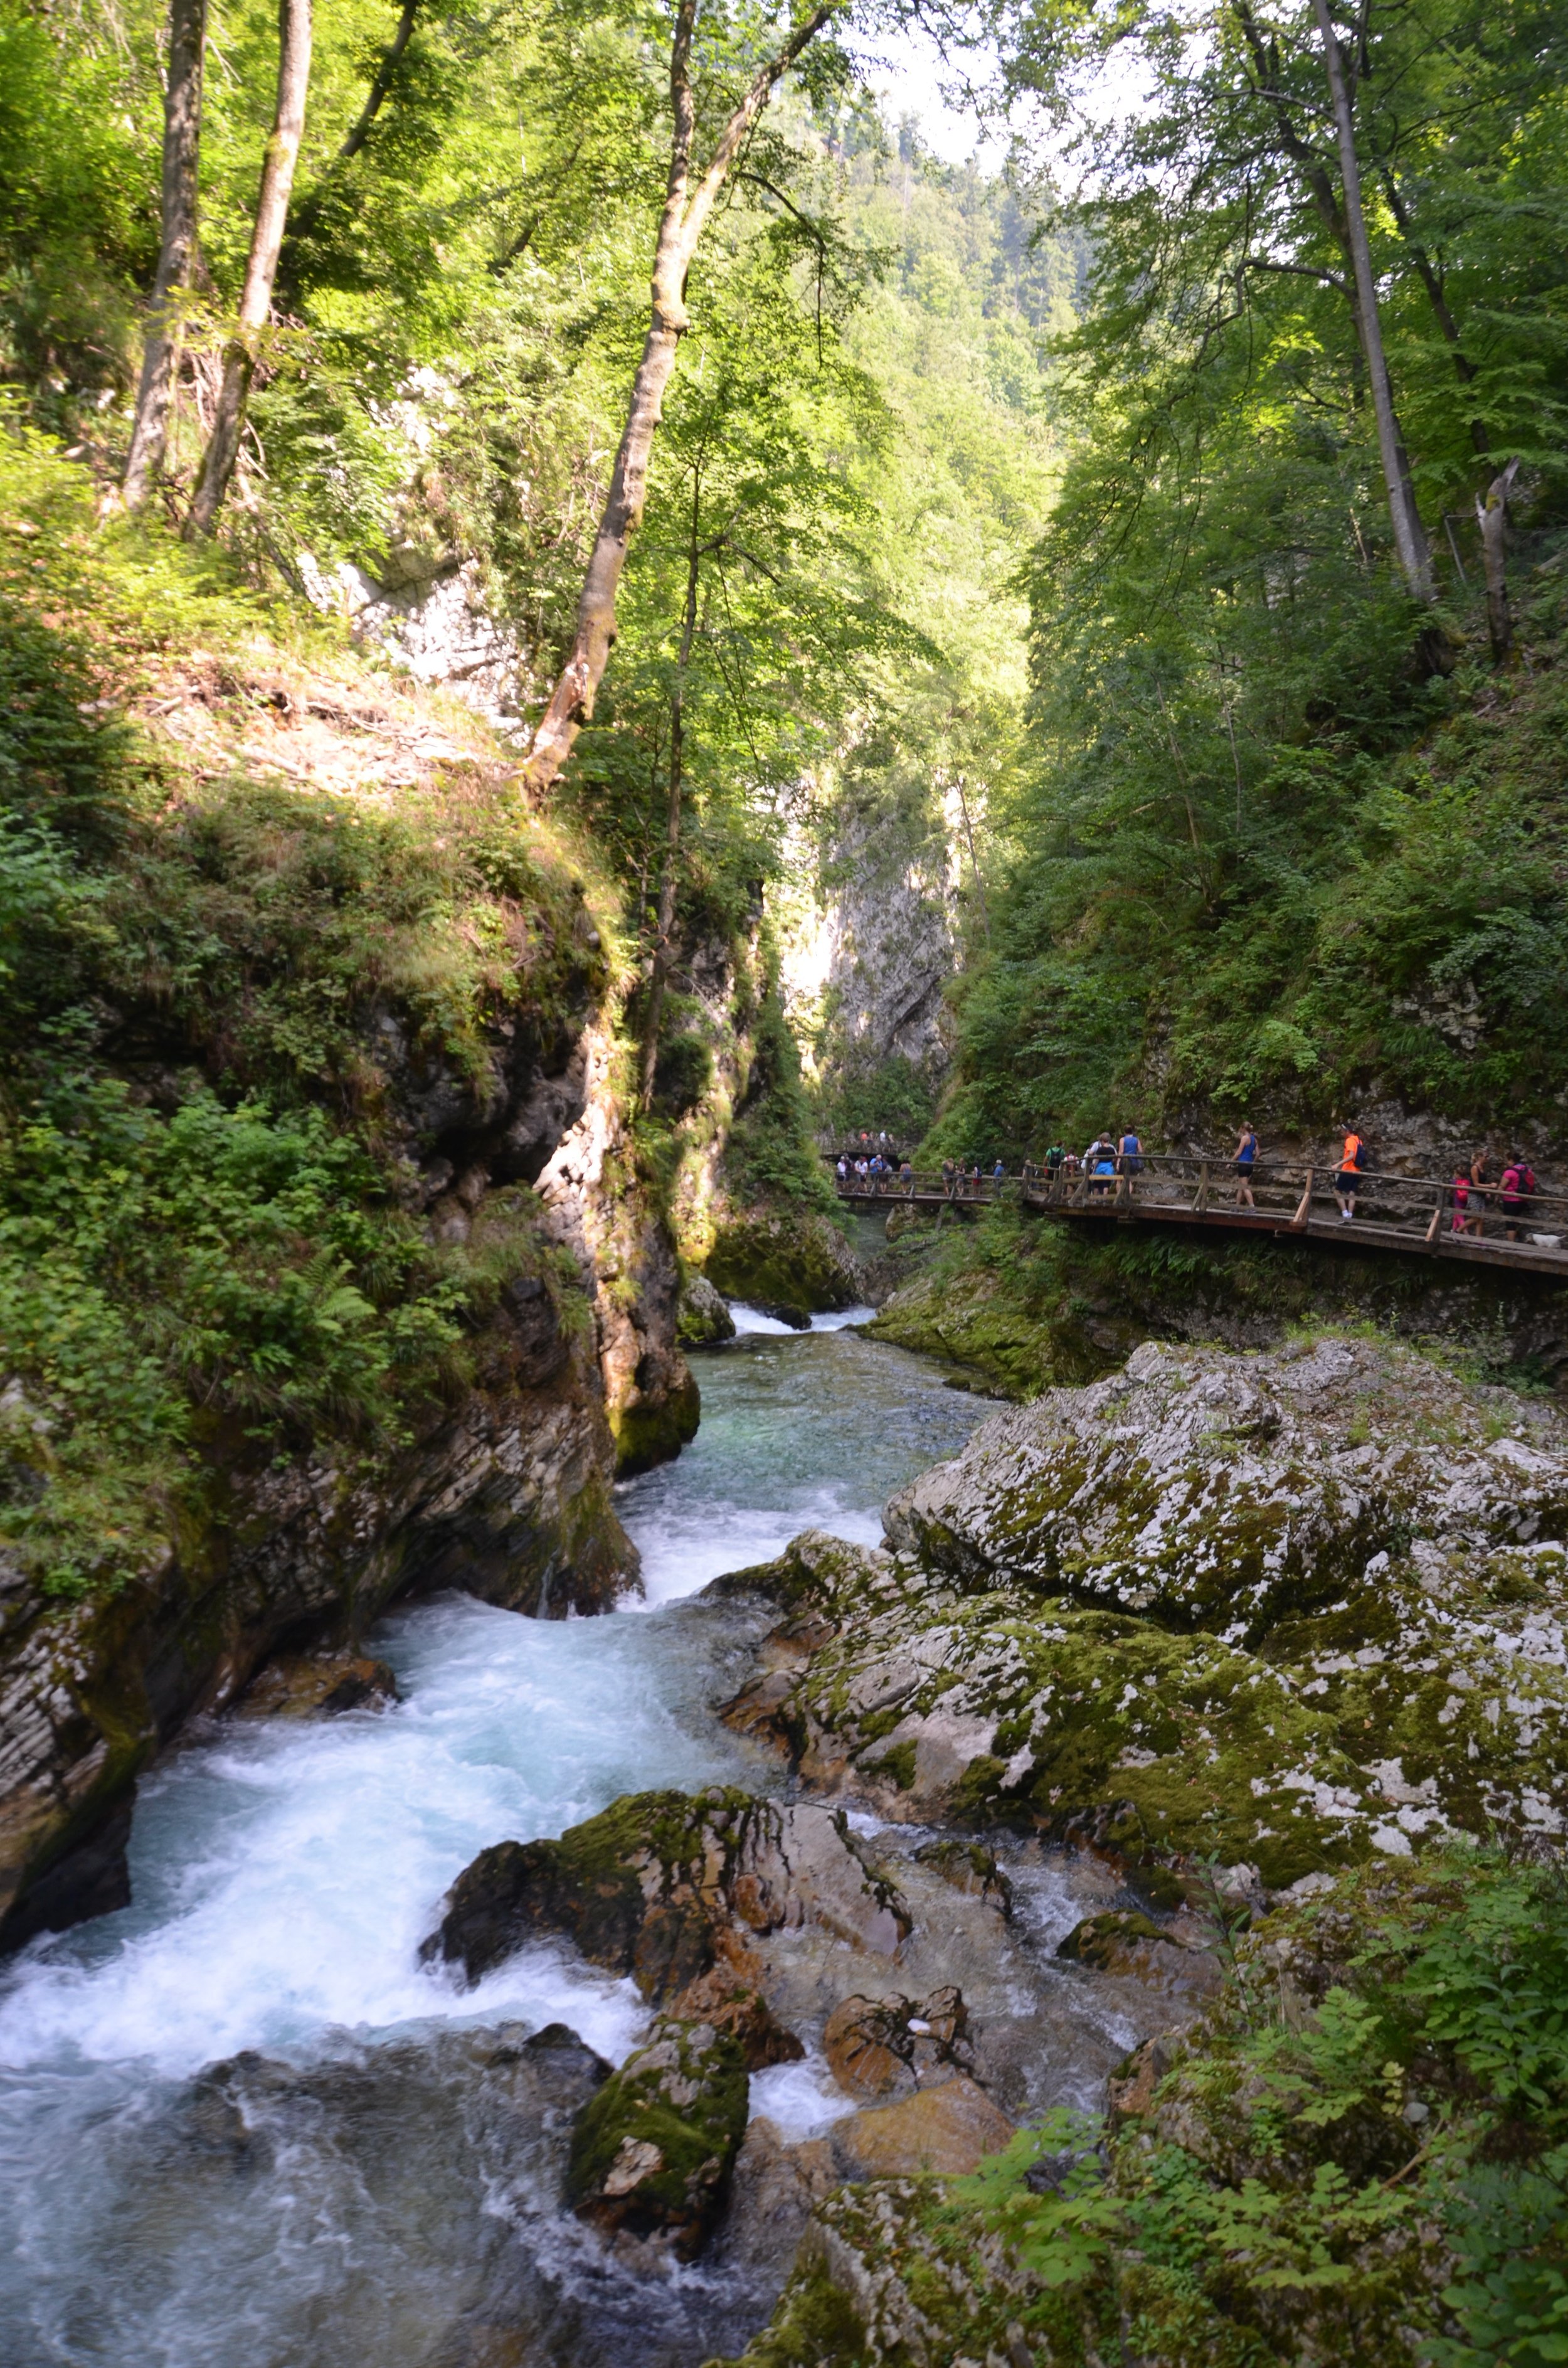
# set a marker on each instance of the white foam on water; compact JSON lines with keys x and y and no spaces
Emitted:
{"x":752,"y":1321}
{"x":687,"y":1548}
{"x":285,"y":1874}
{"x":801,"y":2099}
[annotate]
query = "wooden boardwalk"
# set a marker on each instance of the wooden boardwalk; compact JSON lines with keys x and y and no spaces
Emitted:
{"x":1410,"y":1214}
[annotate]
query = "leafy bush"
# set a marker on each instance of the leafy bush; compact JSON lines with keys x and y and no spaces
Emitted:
{"x":1363,"y":2157}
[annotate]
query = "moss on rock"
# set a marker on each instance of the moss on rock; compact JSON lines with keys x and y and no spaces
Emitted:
{"x":1292,"y":1611}
{"x":1360,"y":2156}
{"x":790,"y":1262}
{"x":653,"y":2150}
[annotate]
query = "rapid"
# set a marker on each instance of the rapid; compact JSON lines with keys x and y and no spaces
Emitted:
{"x":354,"y":2190}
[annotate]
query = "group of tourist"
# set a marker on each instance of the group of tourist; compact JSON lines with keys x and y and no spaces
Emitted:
{"x":875,"y":1168}
{"x":878,"y":1172}
{"x":1473,"y":1187}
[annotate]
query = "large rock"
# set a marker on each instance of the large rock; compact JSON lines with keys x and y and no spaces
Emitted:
{"x":1288,"y":1610}
{"x":945,"y":2131}
{"x":655,"y":1885}
{"x":704,"y":1321}
{"x":790,"y":1262}
{"x":319,"y":1685}
{"x":652,"y":2152}
{"x":1135,"y":1947}
{"x":892,"y":2046}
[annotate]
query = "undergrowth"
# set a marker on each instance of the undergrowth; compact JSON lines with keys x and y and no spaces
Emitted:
{"x":209,"y":985}
{"x":1362,"y":2158}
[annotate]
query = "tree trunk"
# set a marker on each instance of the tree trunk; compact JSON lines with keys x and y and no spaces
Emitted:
{"x":266,"y":238}
{"x":661,"y":969}
{"x":308,"y":215}
{"x":685,"y":214}
{"x":1492,"y":514}
{"x":182,"y":155}
{"x":1409,"y":536}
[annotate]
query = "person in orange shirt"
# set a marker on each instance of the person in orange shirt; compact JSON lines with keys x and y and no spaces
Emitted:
{"x":1352,"y":1166}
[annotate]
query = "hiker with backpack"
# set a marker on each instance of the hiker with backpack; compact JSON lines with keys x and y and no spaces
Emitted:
{"x":1353,"y":1162}
{"x":1518,"y":1190}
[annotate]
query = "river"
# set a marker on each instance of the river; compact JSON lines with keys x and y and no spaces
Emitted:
{"x":354,"y":2192}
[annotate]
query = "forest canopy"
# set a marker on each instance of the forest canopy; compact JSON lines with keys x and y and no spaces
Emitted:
{"x":1173,"y":500}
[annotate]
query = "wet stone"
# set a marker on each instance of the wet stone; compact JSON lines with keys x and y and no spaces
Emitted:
{"x":652,"y":2153}
{"x":884,"y":2047}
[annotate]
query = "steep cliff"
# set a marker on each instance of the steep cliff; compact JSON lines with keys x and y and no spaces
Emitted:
{"x":328,"y":1265}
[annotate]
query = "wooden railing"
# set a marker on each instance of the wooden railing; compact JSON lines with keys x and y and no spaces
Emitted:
{"x":1285,"y":1195}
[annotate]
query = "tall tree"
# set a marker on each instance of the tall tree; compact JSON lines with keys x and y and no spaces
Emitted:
{"x":1409,"y":536}
{"x":266,"y":238}
{"x":689,"y":203}
{"x":182,"y":149}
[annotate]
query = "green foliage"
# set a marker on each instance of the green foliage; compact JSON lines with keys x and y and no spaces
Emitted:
{"x":1262,"y":854}
{"x":1326,"y":2174}
{"x":770,"y":1155}
{"x":207,"y":995}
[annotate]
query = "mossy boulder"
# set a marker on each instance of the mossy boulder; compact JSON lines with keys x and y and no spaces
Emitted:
{"x":792,"y":1263}
{"x":657,"y":1883}
{"x":703,"y":1321}
{"x":1293,"y":1610}
{"x":653,"y":2151}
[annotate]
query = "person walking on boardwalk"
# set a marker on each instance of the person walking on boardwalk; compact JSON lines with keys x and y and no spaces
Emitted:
{"x":1462,"y":1222}
{"x":949,"y":1180}
{"x":1480,"y":1178}
{"x":1130,"y":1158}
{"x":906,"y":1178}
{"x":1245,"y":1155}
{"x":1514,"y":1198}
{"x":1352,"y":1167}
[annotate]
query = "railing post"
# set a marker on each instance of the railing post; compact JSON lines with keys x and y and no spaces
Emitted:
{"x":1304,"y":1206}
{"x":1201,"y":1203}
{"x":1436,"y":1219}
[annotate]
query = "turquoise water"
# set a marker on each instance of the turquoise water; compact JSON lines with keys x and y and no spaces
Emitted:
{"x":283,"y":1876}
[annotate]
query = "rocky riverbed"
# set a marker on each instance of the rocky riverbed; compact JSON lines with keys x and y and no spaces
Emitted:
{"x":1154,"y":1690}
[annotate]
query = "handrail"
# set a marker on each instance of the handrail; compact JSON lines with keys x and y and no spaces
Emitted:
{"x":1222,"y":1175}
{"x":1196,"y":1186}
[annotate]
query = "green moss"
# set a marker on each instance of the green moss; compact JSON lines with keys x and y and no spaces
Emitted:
{"x":1360,"y":2156}
{"x":792,"y":1260}
{"x":646,"y":1435}
{"x":896,"y":1766}
{"x":685,"y":2093}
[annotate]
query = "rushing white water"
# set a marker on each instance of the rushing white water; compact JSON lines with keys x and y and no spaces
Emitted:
{"x":284,"y":1875}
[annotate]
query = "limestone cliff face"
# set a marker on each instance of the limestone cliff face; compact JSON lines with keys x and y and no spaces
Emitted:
{"x":505,"y":1491}
{"x":867,"y":961}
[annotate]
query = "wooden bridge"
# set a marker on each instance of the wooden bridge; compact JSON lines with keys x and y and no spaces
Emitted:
{"x":1411,"y":1214}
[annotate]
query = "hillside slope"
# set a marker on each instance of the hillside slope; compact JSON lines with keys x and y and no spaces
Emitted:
{"x":328,"y":1261}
